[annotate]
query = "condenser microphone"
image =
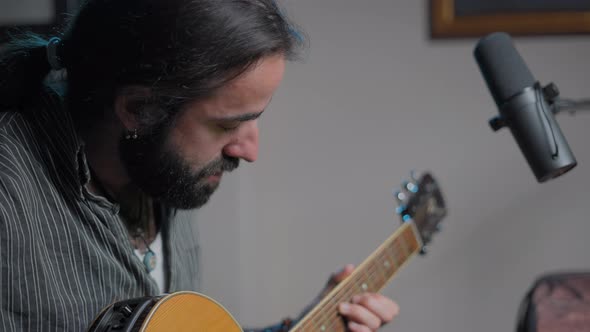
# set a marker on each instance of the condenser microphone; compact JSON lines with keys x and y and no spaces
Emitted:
{"x":524,"y":106}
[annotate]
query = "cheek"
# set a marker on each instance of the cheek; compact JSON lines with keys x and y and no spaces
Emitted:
{"x":195,"y":144}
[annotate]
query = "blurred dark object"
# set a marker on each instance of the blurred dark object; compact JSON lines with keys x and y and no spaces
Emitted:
{"x":61,"y":9}
{"x":557,"y":302}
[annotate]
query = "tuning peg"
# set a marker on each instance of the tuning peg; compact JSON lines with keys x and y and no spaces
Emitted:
{"x":410,"y":186}
{"x":424,"y":250}
{"x":400,"y":210}
{"x":400,"y":196}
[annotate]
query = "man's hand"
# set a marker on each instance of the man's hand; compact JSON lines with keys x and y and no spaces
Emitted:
{"x":365,"y":312}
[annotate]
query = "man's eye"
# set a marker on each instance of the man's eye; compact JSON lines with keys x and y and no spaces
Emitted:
{"x":229,"y":126}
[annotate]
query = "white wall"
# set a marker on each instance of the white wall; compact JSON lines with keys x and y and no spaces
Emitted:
{"x":26,"y":11}
{"x":373,"y":99}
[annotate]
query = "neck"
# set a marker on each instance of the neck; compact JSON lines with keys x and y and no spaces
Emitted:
{"x":102,"y":153}
{"x":110,"y":179}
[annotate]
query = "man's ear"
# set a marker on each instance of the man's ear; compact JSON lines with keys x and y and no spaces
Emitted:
{"x":128,"y":103}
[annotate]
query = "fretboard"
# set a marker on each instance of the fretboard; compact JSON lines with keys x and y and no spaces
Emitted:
{"x":371,"y":276}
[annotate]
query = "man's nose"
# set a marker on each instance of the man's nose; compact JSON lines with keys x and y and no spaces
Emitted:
{"x":245,"y":146}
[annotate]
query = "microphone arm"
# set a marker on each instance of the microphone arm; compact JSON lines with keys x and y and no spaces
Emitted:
{"x":571,"y":106}
{"x":551,"y":95}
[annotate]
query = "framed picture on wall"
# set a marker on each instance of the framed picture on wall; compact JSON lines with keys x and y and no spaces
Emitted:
{"x":475,"y":18}
{"x":39,"y":16}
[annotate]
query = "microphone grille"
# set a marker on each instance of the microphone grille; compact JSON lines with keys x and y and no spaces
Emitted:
{"x":502,"y":67}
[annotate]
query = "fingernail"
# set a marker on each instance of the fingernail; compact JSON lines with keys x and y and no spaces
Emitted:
{"x":344,"y":308}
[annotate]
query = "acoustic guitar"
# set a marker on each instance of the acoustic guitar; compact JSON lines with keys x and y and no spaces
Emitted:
{"x":421,"y":208}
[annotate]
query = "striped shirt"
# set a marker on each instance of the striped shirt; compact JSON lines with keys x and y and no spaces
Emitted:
{"x":65,"y":253}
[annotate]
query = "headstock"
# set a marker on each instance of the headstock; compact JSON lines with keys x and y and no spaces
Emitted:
{"x":420,"y":201}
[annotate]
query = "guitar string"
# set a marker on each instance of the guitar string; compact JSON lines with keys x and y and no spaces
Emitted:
{"x":335,"y":319}
{"x":331,"y":314}
{"x":348,"y":292}
{"x":401,"y":245}
{"x":327,"y":312}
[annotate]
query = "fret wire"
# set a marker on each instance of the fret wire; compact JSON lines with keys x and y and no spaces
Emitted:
{"x":412,"y":239}
{"x":376,"y":268}
{"x":387,"y":269}
{"x":383,"y":280}
{"x":374,"y":288}
{"x":334,"y":321}
{"x":308,"y":323}
{"x":377,"y":275}
{"x":381,"y":269}
{"x":315,"y":324}
{"x":379,"y":263}
{"x":329,"y":308}
{"x":395,"y":255}
{"x":372,"y":282}
{"x":404,"y":244}
{"x":391,"y":259}
{"x":371,"y":278}
{"x":401,"y":251}
{"x":343,"y":292}
{"x":317,"y":321}
{"x":325,"y":314}
{"x":365,"y":280}
{"x":312,"y":325}
{"x":332,"y":318}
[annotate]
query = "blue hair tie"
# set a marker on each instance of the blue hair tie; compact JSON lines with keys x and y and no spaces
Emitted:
{"x":52,"y":53}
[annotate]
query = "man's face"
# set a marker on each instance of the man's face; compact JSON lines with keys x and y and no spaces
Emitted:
{"x":181,"y":164}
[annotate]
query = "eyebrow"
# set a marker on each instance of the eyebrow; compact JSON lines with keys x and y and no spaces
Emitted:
{"x":244,"y":117}
{"x":241,"y":117}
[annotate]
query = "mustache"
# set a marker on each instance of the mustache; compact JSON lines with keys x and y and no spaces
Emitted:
{"x":223,"y":164}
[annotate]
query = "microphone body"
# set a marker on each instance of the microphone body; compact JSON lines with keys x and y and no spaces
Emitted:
{"x":523,"y":107}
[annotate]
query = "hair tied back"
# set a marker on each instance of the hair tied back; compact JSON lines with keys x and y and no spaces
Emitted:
{"x":53,"y":53}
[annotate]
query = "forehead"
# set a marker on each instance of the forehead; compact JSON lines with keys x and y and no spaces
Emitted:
{"x":262,"y":77}
{"x":251,"y":91}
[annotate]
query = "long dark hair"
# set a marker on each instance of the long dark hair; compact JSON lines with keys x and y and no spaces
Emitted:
{"x":177,"y":50}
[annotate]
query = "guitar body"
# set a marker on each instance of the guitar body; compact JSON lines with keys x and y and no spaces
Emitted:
{"x":179,"y":312}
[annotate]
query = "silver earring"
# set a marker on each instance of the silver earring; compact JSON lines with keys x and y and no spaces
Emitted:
{"x":131,"y":134}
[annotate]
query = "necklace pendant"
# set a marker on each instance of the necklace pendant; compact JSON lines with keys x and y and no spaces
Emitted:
{"x":149,"y":261}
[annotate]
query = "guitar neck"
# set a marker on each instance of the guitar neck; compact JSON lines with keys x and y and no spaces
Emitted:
{"x":371,"y":276}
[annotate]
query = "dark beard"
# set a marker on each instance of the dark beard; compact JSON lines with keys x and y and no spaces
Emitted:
{"x":164,"y":175}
